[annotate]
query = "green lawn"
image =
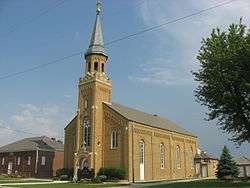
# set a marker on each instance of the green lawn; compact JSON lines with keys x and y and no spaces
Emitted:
{"x":205,"y":184}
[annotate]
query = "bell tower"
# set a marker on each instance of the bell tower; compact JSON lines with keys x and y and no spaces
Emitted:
{"x":94,"y":88}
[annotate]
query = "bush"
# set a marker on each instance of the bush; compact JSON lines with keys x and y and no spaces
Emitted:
{"x":86,"y":173}
{"x":113,"y":173}
{"x":64,"y":174}
{"x":97,"y":179}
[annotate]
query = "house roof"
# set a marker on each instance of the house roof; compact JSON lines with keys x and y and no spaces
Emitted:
{"x":147,"y":119}
{"x":243,"y":161}
{"x":31,"y":144}
{"x":204,"y":155}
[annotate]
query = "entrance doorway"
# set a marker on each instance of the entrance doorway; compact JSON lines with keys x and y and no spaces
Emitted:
{"x":10,"y":167}
{"x":142,"y":160}
{"x":204,"y":171}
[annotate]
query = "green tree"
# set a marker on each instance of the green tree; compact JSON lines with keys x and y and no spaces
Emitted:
{"x":227,"y":166}
{"x":224,"y":80}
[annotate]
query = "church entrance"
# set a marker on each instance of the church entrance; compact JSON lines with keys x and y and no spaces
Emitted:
{"x":142,"y":151}
{"x":84,"y":164}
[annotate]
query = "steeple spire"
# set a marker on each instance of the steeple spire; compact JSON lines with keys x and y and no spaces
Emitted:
{"x":96,"y":45}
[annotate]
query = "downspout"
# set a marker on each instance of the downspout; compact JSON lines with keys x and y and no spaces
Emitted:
{"x":133,"y":168}
{"x":36,"y":160}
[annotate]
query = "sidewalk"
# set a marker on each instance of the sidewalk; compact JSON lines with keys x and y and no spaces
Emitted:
{"x":33,"y":183}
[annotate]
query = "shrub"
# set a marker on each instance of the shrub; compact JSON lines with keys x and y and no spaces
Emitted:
{"x":64,"y":174}
{"x":85,"y":173}
{"x":113,"y":173}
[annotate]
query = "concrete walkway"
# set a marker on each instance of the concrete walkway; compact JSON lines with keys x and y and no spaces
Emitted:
{"x":33,"y":183}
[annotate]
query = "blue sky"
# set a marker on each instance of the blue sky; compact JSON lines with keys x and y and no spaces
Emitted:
{"x":150,"y":72}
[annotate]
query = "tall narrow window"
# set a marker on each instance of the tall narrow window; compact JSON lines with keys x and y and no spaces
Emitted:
{"x":89,"y":67}
{"x":96,"y":66}
{"x":102,"y":67}
{"x":114,"y":139}
{"x":162,"y":155}
{"x":29,"y":160}
{"x":191,"y":158}
{"x":87,"y":133}
{"x":178,"y":157}
{"x":85,"y":103}
{"x":142,"y":150}
{"x":43,"y":162}
{"x":18,"y":160}
{"x":3,"y":160}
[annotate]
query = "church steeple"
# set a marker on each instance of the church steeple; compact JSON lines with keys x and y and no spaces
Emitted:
{"x":96,"y":45}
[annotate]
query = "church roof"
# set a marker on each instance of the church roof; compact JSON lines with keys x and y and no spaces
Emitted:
{"x":31,"y":144}
{"x":147,"y":119}
{"x":96,"y":45}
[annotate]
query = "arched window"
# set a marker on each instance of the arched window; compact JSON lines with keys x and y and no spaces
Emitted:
{"x":102,"y":67}
{"x":142,"y":150}
{"x":191,"y":157}
{"x":114,"y":139}
{"x":89,"y":67}
{"x":178,"y":157}
{"x":96,"y":66}
{"x":162,"y":156}
{"x":87,"y":133}
{"x":85,"y":103}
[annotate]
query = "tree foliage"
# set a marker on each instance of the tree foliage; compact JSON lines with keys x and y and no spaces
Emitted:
{"x":224,"y":80}
{"x":227,"y":166}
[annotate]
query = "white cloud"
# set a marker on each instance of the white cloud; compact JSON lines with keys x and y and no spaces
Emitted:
{"x":179,"y":43}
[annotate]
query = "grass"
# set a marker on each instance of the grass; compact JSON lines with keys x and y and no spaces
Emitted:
{"x":205,"y":184}
{"x":69,"y":185}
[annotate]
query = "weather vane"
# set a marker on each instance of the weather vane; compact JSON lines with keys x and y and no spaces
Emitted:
{"x":98,"y":6}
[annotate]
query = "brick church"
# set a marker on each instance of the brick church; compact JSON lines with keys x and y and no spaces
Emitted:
{"x":108,"y":134}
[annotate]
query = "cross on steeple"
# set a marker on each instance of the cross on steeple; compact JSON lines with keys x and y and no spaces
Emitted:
{"x":98,"y":7}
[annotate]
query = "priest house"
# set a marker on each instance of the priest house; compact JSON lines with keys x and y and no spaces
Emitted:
{"x":108,"y":134}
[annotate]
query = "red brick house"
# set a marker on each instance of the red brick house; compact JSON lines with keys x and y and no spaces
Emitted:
{"x":32,"y":157}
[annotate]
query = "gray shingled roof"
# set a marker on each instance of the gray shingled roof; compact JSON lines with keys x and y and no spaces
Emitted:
{"x":243,"y":161}
{"x":147,"y":119}
{"x":31,"y":144}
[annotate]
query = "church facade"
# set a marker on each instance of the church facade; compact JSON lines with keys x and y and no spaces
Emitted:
{"x":107,"y":134}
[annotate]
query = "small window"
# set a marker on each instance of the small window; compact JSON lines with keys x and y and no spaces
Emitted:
{"x":89,"y":67}
{"x":162,"y":155}
{"x":3,"y":160}
{"x":43,"y":160}
{"x":102,"y":67}
{"x":18,"y":160}
{"x":86,"y":104}
{"x":114,"y":139}
{"x":96,"y":66}
{"x":29,"y":160}
{"x":178,"y":157}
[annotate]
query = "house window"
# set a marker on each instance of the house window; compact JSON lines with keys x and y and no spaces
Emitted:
{"x":96,"y":66}
{"x":29,"y":160}
{"x":162,"y":155}
{"x":114,"y":139}
{"x":141,"y":154}
{"x":43,"y":160}
{"x":3,"y":160}
{"x":87,"y":133}
{"x":102,"y":67}
{"x":178,"y":157}
{"x":191,"y":158}
{"x":18,"y":160}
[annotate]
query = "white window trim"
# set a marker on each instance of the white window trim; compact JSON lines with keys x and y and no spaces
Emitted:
{"x":162,"y":156}
{"x":43,"y":161}
{"x":114,"y":139}
{"x":178,"y":157}
{"x":3,"y":161}
{"x":29,"y":161}
{"x":18,"y":161}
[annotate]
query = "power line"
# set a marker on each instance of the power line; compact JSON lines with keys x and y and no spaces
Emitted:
{"x":13,"y":28}
{"x":118,"y":39}
{"x":21,"y":131}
